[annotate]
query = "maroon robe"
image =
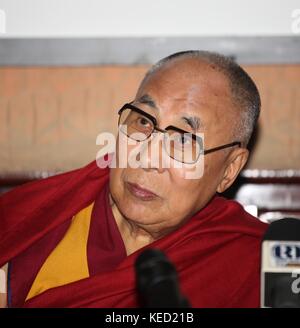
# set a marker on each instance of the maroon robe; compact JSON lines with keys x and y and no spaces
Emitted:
{"x":216,"y":253}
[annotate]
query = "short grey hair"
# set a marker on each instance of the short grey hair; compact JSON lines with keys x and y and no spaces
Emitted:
{"x":244,"y":91}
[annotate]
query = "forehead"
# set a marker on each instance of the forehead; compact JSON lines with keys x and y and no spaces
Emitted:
{"x":188,"y":74}
{"x":189,"y":86}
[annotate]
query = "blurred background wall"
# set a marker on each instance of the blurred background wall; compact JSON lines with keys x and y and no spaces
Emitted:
{"x":67,"y":66}
{"x":50,"y":117}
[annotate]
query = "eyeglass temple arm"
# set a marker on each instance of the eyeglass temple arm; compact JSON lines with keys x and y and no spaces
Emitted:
{"x":236,"y":143}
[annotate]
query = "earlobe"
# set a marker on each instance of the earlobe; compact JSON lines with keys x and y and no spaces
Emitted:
{"x":235,"y":163}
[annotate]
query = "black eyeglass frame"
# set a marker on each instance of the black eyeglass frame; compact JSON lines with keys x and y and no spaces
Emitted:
{"x":171,"y":127}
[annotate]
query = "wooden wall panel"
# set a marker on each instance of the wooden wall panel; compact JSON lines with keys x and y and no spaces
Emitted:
{"x":50,"y":117}
{"x":278,"y":142}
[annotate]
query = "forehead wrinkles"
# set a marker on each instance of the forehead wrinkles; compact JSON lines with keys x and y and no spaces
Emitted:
{"x":191,"y":94}
{"x":197,"y":80}
{"x":198,"y":88}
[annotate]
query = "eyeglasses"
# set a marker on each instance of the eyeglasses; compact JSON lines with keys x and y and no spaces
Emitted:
{"x":183,"y":146}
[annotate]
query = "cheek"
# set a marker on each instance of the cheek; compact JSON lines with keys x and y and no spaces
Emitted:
{"x":213,"y":168}
{"x":115,"y":182}
{"x":126,"y":149}
{"x":192,"y":194}
{"x":183,"y":193}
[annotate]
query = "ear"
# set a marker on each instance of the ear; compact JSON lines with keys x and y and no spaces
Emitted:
{"x":236,"y":161}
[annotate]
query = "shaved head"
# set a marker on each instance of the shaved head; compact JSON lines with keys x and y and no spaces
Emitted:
{"x":243,"y":90}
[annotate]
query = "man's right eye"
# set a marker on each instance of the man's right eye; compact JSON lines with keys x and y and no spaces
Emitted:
{"x":143,"y":122}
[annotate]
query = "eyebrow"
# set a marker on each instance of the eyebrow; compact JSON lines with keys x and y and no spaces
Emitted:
{"x":146,"y":99}
{"x":193,"y":121}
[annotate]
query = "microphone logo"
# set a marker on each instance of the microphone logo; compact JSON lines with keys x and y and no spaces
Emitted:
{"x":286,"y":253}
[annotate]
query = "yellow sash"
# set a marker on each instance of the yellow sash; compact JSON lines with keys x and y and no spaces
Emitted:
{"x":68,"y":261}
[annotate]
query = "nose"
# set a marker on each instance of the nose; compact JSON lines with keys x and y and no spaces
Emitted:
{"x":152,"y":155}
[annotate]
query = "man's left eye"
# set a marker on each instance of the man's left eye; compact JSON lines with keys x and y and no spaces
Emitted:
{"x":184,"y":139}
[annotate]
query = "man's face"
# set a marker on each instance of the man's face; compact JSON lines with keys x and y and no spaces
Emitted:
{"x":181,"y":89}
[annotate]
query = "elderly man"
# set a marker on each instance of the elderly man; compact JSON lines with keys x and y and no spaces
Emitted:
{"x":72,"y":240}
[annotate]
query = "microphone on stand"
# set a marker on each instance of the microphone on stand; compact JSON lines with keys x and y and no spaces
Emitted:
{"x":157,"y":281}
{"x":280,"y":285}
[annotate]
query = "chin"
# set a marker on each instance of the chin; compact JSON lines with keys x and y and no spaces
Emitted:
{"x":136,"y":212}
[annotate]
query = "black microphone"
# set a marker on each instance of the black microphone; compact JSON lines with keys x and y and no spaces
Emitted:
{"x":157,"y":281}
{"x":280,"y":282}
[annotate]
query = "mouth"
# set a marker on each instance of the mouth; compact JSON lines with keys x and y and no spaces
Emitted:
{"x":139,"y":192}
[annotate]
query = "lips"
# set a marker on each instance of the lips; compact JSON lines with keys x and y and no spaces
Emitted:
{"x":139,"y":192}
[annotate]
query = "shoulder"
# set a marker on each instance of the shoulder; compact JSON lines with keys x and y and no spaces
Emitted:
{"x":251,"y":220}
{"x":31,"y":207}
{"x":50,"y":181}
{"x":246,"y":235}
{"x":43,"y":189}
{"x":229,"y":217}
{"x":242,"y":234}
